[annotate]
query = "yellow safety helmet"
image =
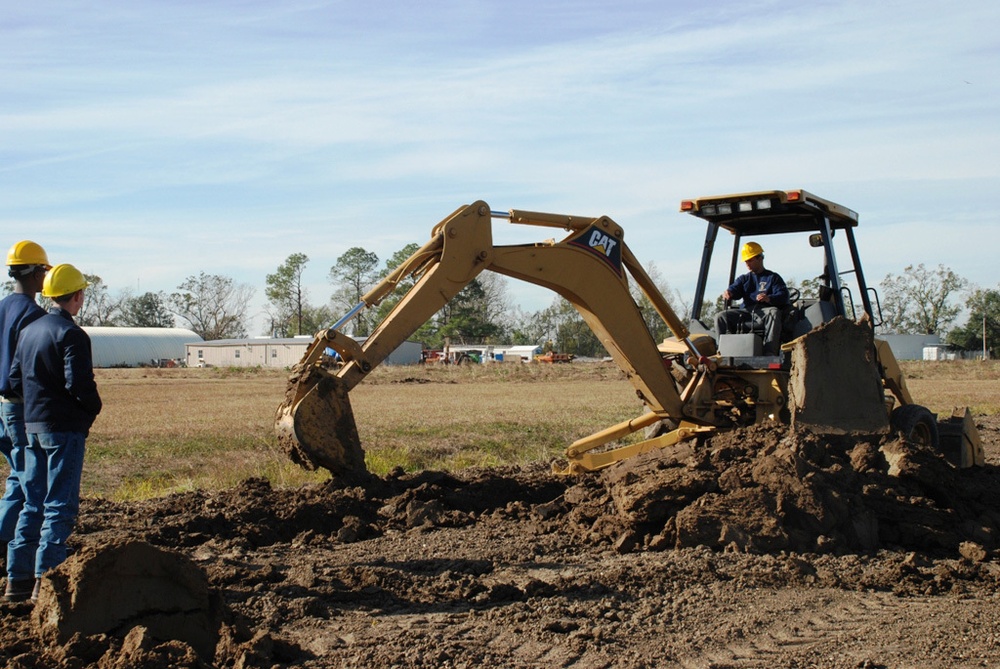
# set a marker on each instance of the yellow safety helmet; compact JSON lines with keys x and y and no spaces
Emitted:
{"x":750,"y":250}
{"x":63,"y":280}
{"x":27,"y":253}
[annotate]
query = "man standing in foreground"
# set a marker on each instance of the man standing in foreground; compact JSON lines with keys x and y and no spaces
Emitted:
{"x":27,"y":263}
{"x":53,"y":372}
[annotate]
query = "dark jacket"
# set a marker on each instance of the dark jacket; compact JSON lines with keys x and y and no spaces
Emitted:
{"x":53,"y":371}
{"x":749,"y":285}
{"x":16,"y":311}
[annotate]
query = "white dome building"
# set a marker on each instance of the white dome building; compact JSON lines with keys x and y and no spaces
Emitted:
{"x":139,"y":347}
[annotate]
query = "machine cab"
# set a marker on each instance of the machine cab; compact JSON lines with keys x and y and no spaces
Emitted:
{"x":837,"y":285}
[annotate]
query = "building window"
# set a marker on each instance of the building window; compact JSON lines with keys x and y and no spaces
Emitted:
{"x":237,"y":353}
{"x":201,"y":354}
{"x":274,"y":353}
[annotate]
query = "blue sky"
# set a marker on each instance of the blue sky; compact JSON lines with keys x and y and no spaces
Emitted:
{"x":146,"y":141}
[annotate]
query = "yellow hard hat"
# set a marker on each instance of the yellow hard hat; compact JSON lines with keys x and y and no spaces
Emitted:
{"x":27,"y":253}
{"x":750,"y":250}
{"x":63,"y":280}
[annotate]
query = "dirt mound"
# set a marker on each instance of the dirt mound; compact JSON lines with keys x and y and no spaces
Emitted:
{"x":766,"y":490}
{"x":127,"y":585}
{"x":515,"y":567}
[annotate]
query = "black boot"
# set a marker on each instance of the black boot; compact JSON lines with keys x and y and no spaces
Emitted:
{"x":19,"y":589}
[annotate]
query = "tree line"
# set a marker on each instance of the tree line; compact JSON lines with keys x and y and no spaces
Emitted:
{"x":930,"y":301}
{"x":481,"y":313}
{"x":927,"y":301}
{"x":213,"y":306}
{"x":919,"y":300}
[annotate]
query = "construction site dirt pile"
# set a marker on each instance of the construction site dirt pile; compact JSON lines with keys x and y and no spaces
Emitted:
{"x":753,"y":548}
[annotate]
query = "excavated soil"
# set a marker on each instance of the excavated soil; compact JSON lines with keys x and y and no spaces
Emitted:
{"x":756,"y":548}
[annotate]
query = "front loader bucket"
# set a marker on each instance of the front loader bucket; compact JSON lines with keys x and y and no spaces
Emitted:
{"x":834,"y":385}
{"x":959,"y":438}
{"x":315,"y":424}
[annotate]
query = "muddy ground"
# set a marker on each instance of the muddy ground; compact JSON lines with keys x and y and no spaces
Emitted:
{"x":752,"y":549}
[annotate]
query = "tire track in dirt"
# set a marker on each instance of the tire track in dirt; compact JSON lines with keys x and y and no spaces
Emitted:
{"x":832,"y":626}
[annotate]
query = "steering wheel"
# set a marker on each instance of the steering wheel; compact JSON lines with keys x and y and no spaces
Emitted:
{"x":793,"y":295}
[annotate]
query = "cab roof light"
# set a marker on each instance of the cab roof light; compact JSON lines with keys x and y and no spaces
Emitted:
{"x":709,"y":210}
{"x":725,"y":208}
{"x":687,"y":205}
{"x":794,"y":195}
{"x":763,"y":204}
{"x":745,"y":206}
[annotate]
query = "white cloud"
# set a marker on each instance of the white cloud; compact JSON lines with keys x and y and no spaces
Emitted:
{"x":225,"y":136}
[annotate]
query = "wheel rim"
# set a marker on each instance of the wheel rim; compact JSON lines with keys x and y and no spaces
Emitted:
{"x":922,"y":435}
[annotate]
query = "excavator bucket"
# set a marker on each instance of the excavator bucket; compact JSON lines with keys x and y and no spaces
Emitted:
{"x":315,"y":424}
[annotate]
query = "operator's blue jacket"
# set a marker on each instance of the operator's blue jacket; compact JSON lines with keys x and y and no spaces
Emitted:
{"x":53,"y":371}
{"x":749,"y":285}
{"x":17,"y":310}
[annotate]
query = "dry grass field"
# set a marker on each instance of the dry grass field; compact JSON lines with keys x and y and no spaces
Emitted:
{"x":163,"y":431}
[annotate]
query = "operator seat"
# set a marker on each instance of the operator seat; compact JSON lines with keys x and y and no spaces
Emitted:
{"x":815,"y":313}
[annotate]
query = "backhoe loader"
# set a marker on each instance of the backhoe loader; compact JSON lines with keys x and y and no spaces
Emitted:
{"x":831,"y":375}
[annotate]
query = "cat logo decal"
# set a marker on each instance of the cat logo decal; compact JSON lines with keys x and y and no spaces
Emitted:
{"x":602,"y":245}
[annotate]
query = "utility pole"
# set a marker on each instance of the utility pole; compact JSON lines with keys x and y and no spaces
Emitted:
{"x":984,"y":338}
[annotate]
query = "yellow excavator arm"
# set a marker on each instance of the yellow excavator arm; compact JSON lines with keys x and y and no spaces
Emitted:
{"x":589,"y":268}
{"x":683,"y":385}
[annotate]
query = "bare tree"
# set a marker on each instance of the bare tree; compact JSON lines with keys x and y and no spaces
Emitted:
{"x":656,"y":325}
{"x":528,"y":327}
{"x":920,"y":301}
{"x":99,"y":306}
{"x":496,"y":306}
{"x":213,"y":305}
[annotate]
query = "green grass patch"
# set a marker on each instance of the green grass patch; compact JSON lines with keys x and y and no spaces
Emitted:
{"x":140,"y":469}
{"x":216,"y":427}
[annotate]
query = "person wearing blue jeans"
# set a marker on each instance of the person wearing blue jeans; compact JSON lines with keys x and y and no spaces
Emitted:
{"x":27,"y":263}
{"x":13,"y":441}
{"x":53,"y":371}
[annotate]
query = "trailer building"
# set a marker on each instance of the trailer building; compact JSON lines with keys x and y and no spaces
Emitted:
{"x":275,"y":352}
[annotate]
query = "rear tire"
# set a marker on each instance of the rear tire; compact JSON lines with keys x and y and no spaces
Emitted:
{"x":916,"y":424}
